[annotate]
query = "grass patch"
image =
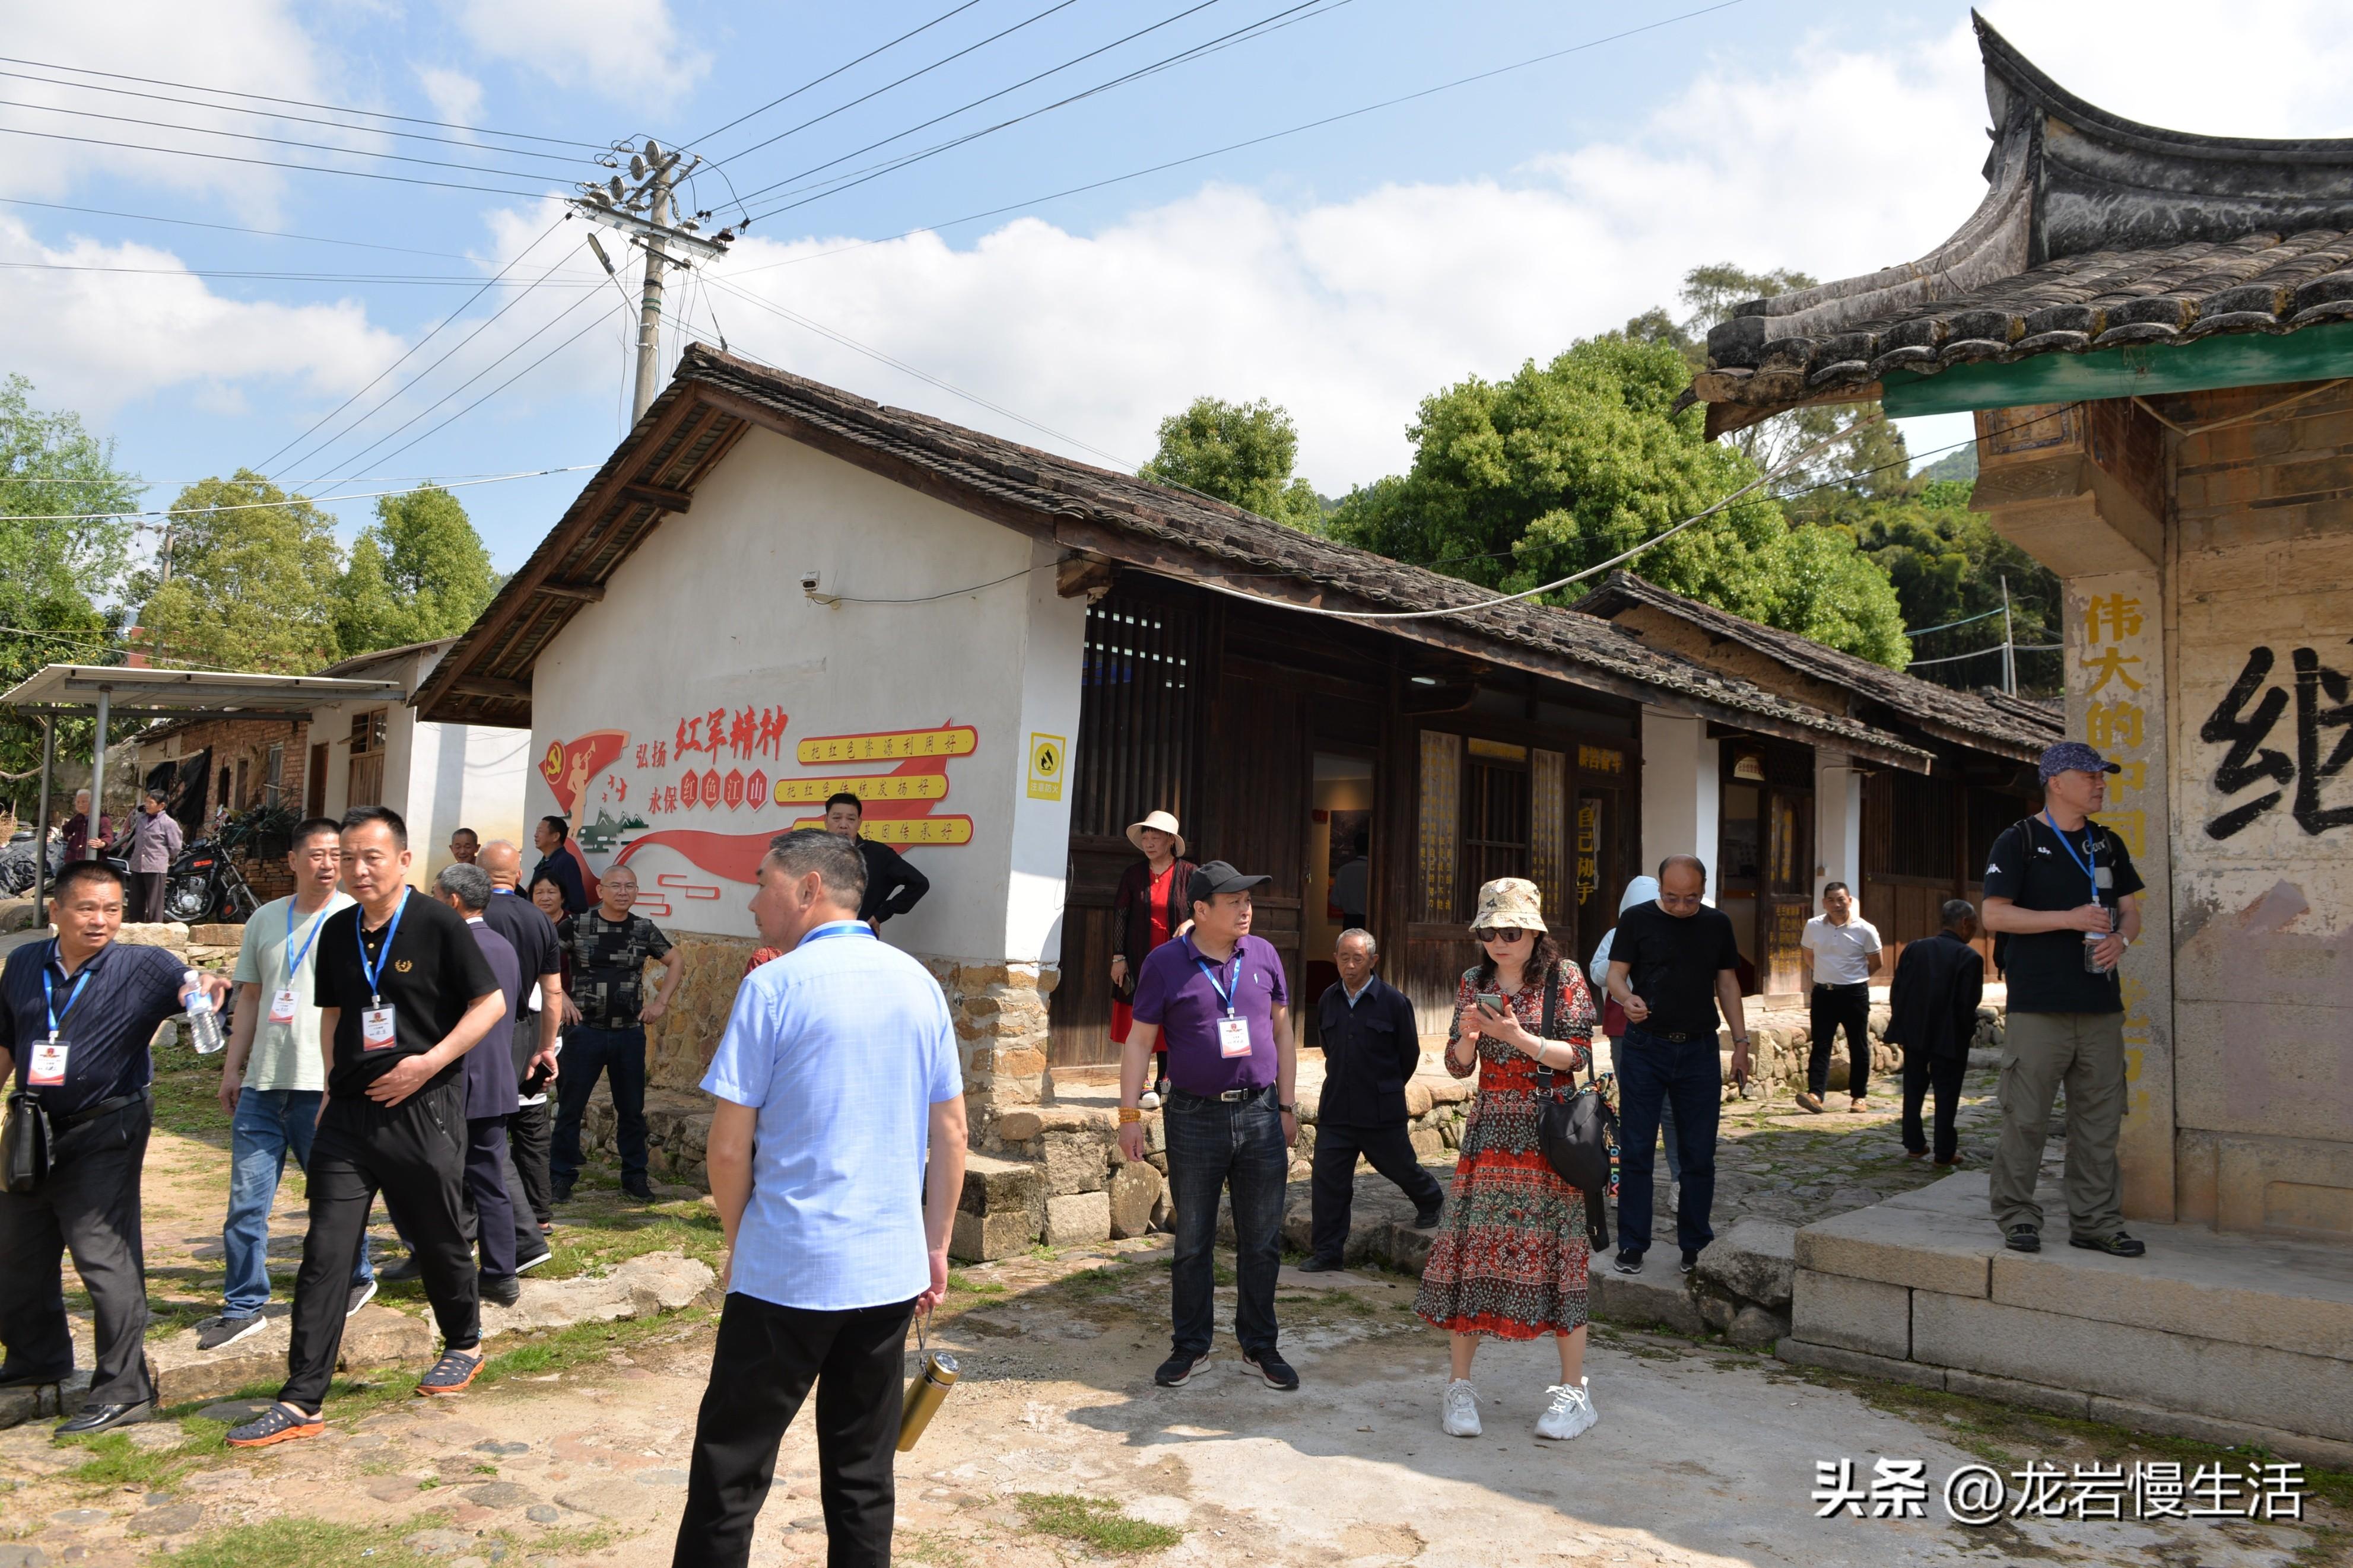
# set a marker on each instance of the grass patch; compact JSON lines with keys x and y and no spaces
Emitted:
{"x":1097,"y":1521}
{"x":962,"y":1284}
{"x":116,"y":1461}
{"x":187,"y":1101}
{"x":585,"y":1343}
{"x":937,"y":1547}
{"x":1096,"y":1283}
{"x":285,"y":1542}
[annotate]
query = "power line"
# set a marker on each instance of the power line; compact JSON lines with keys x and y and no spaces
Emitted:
{"x":1189,"y":52}
{"x":1979,"y":653}
{"x":1250,"y":141}
{"x":346,"y":403}
{"x":816,"y":81}
{"x":272,"y":114}
{"x":294,"y":499}
{"x":275,"y":162}
{"x":301,"y":103}
{"x":279,"y":277}
{"x":279,"y":140}
{"x":232,"y":228}
{"x":779,"y":136}
{"x":1948,"y":626}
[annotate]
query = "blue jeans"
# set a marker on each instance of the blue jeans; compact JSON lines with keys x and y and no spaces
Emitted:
{"x":620,"y":1054}
{"x":1215,"y":1146}
{"x":269,"y":1122}
{"x":1654,"y":1073}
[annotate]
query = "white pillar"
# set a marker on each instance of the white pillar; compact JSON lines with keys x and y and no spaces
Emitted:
{"x":1837,"y":823}
{"x":1683,"y":794}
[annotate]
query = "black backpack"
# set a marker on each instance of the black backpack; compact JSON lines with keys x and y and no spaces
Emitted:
{"x":1576,"y":1129}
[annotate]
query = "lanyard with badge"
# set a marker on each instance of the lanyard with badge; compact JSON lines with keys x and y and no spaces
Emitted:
{"x":376,"y":1019}
{"x":282,"y":1005}
{"x":47,"y":1068}
{"x":2098,"y":877}
{"x":1233,"y":1031}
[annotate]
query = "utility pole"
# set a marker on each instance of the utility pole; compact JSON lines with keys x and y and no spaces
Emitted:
{"x":640,"y":207}
{"x":2009,"y":642}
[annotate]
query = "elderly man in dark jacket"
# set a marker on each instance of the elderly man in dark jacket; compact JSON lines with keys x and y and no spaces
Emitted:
{"x":1371,"y":1047}
{"x":1933,"y":1013}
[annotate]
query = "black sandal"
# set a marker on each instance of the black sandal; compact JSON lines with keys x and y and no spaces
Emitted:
{"x":281,"y":1422}
{"x":452,"y":1373}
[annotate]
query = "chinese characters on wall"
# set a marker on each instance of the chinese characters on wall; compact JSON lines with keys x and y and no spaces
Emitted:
{"x":2321,"y":739}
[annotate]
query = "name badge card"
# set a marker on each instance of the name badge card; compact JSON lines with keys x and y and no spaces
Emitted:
{"x":1233,"y":1037}
{"x":47,"y":1068}
{"x":282,"y":1006}
{"x":376,"y":1028}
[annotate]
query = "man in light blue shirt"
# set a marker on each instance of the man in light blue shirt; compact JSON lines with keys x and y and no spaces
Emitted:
{"x":838,"y":1074}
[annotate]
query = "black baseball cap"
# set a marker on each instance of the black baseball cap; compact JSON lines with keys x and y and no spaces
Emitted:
{"x":1219,"y":877}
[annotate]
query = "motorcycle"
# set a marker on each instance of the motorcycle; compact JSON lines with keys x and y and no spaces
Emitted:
{"x":204,"y":887}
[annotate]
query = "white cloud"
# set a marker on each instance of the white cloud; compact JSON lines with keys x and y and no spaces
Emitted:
{"x":629,"y":49}
{"x":1348,"y":312}
{"x":95,"y":340}
{"x":455,"y":95}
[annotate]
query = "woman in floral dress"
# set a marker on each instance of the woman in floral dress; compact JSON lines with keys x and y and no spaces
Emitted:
{"x":1511,"y":1261}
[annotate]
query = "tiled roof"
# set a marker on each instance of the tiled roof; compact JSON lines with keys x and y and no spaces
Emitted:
{"x":2095,"y":233}
{"x":2013,"y":726}
{"x":1144,"y":526}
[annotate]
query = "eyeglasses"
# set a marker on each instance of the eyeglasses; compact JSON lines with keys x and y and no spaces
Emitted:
{"x":1509,"y":934}
{"x":1682,"y":900}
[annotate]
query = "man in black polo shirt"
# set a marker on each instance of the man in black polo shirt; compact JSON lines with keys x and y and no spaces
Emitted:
{"x":2061,"y":888}
{"x":892,"y":887}
{"x":553,"y":838}
{"x":1371,"y":1047}
{"x":1672,"y":964}
{"x":404,"y":993}
{"x":76,"y":1015}
{"x":609,"y":948}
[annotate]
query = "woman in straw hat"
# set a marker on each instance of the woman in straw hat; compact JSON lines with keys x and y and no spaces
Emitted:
{"x":1148,"y":910}
{"x":1511,"y":1260}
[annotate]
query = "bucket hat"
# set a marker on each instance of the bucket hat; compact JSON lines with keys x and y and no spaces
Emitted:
{"x":1509,"y":903}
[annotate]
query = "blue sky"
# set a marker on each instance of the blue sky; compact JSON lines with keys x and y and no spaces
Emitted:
{"x":1346,"y":272}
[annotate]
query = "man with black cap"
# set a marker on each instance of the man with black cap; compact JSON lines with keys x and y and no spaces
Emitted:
{"x":2061,"y":888}
{"x":1217,"y":995}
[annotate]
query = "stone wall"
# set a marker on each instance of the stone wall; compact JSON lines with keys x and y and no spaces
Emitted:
{"x":1001,"y":1035}
{"x":680,"y":1046}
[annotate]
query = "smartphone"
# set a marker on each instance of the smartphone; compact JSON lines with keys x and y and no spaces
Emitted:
{"x":1491,"y":1001}
{"x":535,"y":1079}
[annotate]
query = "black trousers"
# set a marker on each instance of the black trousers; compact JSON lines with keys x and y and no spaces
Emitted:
{"x":1827,"y":1008}
{"x":1390,"y":1149}
{"x":486,"y":1194}
{"x":528,"y":1132}
{"x":1922,"y":1073}
{"x":89,"y":1205}
{"x":760,"y":1370}
{"x":146,"y":900}
{"x":414,"y":1153}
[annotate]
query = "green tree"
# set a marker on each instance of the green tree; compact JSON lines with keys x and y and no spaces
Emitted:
{"x":1567,"y":465}
{"x":1241,"y":453}
{"x":417,"y":572}
{"x":56,"y":568}
{"x":1947,"y":564}
{"x":253,"y":588}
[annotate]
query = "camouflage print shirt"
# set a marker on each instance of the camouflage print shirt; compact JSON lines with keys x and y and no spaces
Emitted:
{"x":608,"y":963}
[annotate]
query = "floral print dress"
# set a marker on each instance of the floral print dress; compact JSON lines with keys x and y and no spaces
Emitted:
{"x":1511,"y":1259}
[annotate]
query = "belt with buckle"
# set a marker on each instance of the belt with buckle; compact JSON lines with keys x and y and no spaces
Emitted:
{"x":1229,"y":1096}
{"x":1663,"y":1035}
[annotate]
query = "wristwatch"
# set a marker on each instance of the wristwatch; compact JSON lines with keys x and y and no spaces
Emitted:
{"x":1740,"y":1040}
{"x":1290,"y":1109}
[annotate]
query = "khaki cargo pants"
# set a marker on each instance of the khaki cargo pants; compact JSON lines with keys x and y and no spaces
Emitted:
{"x":2086,"y":1051}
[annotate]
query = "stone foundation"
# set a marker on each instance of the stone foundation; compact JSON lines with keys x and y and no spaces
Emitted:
{"x":1001,"y":1035}
{"x":680,"y":1045}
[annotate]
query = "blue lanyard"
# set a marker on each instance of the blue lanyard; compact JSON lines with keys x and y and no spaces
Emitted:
{"x":2083,"y":861}
{"x":294,"y":963}
{"x":1226,"y":991}
{"x":840,"y":928}
{"x":359,"y":935}
{"x":49,"y":996}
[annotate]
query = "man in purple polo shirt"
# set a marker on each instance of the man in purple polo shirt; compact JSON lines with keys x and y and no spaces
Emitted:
{"x":1217,"y":996}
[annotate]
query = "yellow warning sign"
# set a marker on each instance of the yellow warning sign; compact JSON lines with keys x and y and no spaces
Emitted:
{"x":1045,"y":767}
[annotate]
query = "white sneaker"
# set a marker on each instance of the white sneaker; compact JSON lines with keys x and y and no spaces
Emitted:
{"x":1148,"y":1101}
{"x":1570,"y":1413}
{"x":1458,"y":1413}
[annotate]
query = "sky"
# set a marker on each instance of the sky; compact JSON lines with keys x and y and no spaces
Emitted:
{"x":432,"y":313}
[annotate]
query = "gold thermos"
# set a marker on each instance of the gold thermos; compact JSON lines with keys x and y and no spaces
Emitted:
{"x":925,"y":1394}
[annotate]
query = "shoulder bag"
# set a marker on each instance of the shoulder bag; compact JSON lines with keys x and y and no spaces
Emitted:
{"x":1577,"y":1131}
{"x":24,"y":1144}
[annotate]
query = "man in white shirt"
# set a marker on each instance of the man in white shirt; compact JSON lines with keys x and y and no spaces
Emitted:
{"x":835,"y":1080}
{"x":1841,"y":953}
{"x":272,"y":1075}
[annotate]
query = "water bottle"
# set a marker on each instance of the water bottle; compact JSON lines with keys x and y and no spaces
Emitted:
{"x":203,"y":1023}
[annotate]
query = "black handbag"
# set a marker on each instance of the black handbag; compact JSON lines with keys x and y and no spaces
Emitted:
{"x":1576,"y":1129}
{"x":24,"y":1144}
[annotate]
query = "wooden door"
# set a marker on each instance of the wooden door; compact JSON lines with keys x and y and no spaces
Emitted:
{"x":1257,"y":782}
{"x":314,"y":782}
{"x":1786,"y":882}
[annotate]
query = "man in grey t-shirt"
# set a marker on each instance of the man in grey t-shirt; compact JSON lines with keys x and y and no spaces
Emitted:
{"x":272,"y":1075}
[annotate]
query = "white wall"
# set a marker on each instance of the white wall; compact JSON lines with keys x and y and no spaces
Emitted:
{"x":1682,"y":793}
{"x":1837,"y":823}
{"x":710,"y":615}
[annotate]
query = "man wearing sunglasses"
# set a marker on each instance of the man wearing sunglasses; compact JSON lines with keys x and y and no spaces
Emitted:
{"x":1673,"y":963}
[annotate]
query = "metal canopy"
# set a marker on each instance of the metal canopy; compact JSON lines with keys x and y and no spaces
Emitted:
{"x":74,"y":689}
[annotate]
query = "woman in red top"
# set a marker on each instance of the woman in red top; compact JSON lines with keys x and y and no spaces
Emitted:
{"x":1148,"y":909}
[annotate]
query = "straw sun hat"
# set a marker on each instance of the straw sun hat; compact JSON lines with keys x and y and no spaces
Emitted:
{"x":1509,"y":903}
{"x":1161,"y":820}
